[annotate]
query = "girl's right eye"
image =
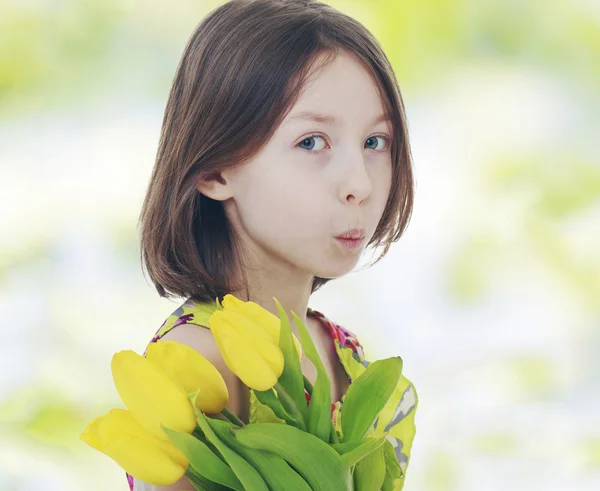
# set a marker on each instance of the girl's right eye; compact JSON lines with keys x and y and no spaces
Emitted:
{"x":308,"y":140}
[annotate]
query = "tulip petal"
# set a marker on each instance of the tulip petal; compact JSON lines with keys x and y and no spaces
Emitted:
{"x":270,"y":351}
{"x":248,"y":351}
{"x":122,"y":422}
{"x":255,"y":371}
{"x":258,"y":365}
{"x":90,"y":434}
{"x":144,"y":462}
{"x":191,"y":371}
{"x":261,"y":316}
{"x":151,"y":396}
{"x":118,"y":435}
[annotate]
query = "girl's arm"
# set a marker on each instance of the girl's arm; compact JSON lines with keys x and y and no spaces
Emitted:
{"x":202,"y":340}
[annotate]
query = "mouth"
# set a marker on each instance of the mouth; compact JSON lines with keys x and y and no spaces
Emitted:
{"x":353,"y":234}
{"x":350,"y":243}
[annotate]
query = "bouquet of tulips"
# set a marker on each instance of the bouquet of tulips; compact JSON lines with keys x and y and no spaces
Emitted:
{"x":165,"y":432}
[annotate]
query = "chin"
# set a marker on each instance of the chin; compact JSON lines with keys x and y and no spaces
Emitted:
{"x":335,"y":269}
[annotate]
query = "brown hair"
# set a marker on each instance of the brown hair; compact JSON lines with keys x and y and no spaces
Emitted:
{"x":241,"y":72}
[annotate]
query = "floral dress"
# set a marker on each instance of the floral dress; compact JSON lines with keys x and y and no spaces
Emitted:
{"x":397,"y":418}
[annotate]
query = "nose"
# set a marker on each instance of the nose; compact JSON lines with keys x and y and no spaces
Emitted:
{"x":356,"y":183}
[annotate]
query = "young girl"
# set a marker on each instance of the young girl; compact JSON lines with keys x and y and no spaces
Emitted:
{"x":284,"y":154}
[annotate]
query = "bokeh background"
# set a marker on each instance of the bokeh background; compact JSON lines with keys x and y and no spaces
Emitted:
{"x":492,"y":297}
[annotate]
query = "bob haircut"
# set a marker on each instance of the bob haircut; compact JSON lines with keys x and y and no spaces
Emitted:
{"x":241,"y":72}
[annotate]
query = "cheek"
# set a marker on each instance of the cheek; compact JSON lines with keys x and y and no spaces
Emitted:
{"x":276,"y":207}
{"x":381,"y":189}
{"x":385,"y":180}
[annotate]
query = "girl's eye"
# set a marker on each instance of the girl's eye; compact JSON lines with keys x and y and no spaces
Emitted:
{"x":383,"y":138}
{"x":308,"y":141}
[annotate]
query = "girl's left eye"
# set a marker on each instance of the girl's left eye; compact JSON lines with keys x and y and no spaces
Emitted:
{"x":371,"y":140}
{"x":383,"y":138}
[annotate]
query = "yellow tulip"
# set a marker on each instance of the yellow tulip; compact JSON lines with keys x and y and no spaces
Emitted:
{"x":191,"y":371}
{"x":261,"y":316}
{"x":150,"y":459}
{"x":151,"y":395}
{"x":248,"y":350}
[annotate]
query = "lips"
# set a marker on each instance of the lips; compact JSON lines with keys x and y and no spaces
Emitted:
{"x":354,"y":234}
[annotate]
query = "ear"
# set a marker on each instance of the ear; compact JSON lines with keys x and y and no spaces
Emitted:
{"x":218,"y":187}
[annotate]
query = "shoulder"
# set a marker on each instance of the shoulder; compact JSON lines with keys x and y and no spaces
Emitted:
{"x":186,"y":325}
{"x":200,"y":338}
{"x":189,"y":312}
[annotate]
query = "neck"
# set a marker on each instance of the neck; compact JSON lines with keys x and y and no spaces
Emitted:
{"x":292,"y":299}
{"x":268,"y":276}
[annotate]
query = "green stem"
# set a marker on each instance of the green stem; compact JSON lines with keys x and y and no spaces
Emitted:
{"x":307,"y":385}
{"x":333,"y":436}
{"x":232,"y":417}
{"x":198,"y":433}
{"x":198,"y":481}
{"x":290,"y":405}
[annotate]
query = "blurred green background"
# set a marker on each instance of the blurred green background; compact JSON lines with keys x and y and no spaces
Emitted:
{"x":496,"y":282}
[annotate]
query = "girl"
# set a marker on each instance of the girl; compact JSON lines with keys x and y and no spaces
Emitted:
{"x":284,"y":153}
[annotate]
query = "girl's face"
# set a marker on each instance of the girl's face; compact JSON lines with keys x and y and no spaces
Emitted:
{"x":316,"y":179}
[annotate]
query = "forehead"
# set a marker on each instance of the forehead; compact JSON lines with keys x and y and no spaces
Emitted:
{"x":340,"y":90}
{"x":329,"y":118}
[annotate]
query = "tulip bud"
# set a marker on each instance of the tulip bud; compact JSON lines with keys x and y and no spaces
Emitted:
{"x":261,"y":316}
{"x":248,"y":350}
{"x":151,"y":395}
{"x":119,"y":436}
{"x":192,"y":372}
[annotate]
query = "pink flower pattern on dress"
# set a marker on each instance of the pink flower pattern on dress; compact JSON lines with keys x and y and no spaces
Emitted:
{"x":344,"y":337}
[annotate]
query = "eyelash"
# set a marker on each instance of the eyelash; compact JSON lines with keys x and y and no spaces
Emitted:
{"x":386,"y":138}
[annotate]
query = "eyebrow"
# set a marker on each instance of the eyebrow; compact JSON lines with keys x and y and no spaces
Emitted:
{"x":323,"y":118}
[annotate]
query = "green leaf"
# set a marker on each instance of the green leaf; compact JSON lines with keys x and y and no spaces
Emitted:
{"x":247,"y":475}
{"x":198,"y":487}
{"x":291,"y":379}
{"x":333,"y":435}
{"x":259,"y":413}
{"x":276,"y":472}
{"x":368,"y":445}
{"x":202,"y":484}
{"x":368,"y":395}
{"x":269,"y":398}
{"x":202,"y":460}
{"x":198,"y":434}
{"x":319,"y":409}
{"x":388,"y":483}
{"x":319,"y":464}
{"x":392,"y":466}
{"x":369,"y":473}
{"x":290,"y":404}
{"x":342,"y":448}
{"x":362,"y":445}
